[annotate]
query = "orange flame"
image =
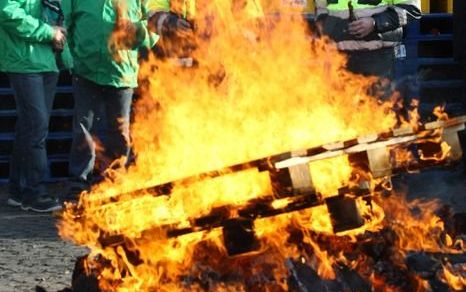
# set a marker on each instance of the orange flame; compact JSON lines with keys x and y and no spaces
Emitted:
{"x":260,"y":87}
{"x":455,"y":278}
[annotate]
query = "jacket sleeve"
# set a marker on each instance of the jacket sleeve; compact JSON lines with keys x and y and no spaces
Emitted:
{"x":321,"y":8}
{"x":397,"y":15}
{"x":67,"y":7}
{"x":15,"y":20}
{"x":159,"y":12}
{"x":145,"y":37}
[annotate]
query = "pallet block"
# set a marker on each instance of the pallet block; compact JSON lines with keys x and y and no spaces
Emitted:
{"x":437,"y":6}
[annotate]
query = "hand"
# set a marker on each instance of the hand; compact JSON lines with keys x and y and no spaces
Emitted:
{"x":362,"y":27}
{"x":169,"y":25}
{"x":183,"y":28}
{"x":178,"y":27}
{"x":59,"y":38}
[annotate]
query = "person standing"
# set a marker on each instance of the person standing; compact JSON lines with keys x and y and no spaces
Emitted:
{"x":29,"y":45}
{"x":175,"y":21}
{"x":459,"y":48}
{"x":104,"y":38}
{"x":367,"y":31}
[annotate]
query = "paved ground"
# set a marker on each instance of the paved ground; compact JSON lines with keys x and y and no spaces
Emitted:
{"x":32,"y":254}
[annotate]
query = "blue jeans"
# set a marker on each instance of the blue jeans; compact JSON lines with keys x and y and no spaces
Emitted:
{"x":34,"y":94}
{"x":89,"y":99}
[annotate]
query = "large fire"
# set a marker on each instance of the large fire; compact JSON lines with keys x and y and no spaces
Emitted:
{"x":259,"y":87}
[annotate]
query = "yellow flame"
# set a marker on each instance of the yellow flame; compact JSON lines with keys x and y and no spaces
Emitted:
{"x":454,"y":278}
{"x":261,"y":87}
{"x":330,"y":174}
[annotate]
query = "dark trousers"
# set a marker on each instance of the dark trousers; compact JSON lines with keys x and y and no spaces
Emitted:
{"x":34,"y":94}
{"x":463,"y":133}
{"x":378,"y":63}
{"x":90,"y":98}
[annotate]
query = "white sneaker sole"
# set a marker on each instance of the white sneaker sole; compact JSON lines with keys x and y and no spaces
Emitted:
{"x":13,"y":203}
{"x":51,"y":209}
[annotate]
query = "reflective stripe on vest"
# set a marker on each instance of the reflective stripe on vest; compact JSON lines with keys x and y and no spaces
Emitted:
{"x":353,"y":45}
{"x":363,"y":8}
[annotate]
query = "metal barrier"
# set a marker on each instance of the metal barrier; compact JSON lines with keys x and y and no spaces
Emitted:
{"x":432,"y":74}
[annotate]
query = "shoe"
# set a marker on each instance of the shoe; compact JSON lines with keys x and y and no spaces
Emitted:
{"x":75,"y":188}
{"x":15,"y":192}
{"x":14,"y":200}
{"x":73,"y":194}
{"x":41,"y":204}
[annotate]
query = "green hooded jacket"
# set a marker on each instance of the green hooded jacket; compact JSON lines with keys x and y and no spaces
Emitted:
{"x":25,"y":39}
{"x":90,"y":24}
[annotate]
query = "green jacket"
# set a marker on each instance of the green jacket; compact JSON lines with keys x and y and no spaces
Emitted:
{"x":90,"y":24}
{"x":25,"y":39}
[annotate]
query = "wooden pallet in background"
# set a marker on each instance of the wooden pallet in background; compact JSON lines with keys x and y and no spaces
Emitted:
{"x":437,"y":6}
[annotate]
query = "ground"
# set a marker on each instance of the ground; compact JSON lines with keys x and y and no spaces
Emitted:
{"x":31,"y":252}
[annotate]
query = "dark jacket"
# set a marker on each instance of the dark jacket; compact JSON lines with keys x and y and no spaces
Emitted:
{"x":459,"y":29}
{"x":389,"y":18}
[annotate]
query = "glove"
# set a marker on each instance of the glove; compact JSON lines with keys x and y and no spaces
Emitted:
{"x":167,"y":25}
{"x":177,"y":34}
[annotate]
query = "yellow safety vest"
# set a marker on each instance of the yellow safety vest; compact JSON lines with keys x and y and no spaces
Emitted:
{"x":362,"y":8}
{"x":188,"y":8}
{"x":357,"y":4}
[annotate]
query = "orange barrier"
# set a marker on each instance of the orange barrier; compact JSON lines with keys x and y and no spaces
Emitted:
{"x":437,"y":6}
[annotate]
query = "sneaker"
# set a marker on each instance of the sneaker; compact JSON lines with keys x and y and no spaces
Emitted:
{"x":72,"y":195}
{"x":41,"y":204}
{"x":75,"y":188}
{"x":14,"y":200}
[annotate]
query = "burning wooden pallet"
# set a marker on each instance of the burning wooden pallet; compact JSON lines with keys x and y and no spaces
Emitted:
{"x":376,"y":252}
{"x":432,"y":144}
{"x":293,"y":189}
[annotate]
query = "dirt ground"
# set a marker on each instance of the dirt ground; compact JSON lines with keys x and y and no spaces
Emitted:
{"x":31,"y":252}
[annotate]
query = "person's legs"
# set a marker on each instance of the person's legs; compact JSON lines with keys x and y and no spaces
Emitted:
{"x":34,"y":97}
{"x":463,"y":133}
{"x":36,"y":174}
{"x":379,"y":63}
{"x":16,"y":177}
{"x":118,"y":108}
{"x":87,"y":101}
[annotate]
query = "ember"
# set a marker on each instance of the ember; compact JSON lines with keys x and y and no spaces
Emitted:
{"x":314,"y":219}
